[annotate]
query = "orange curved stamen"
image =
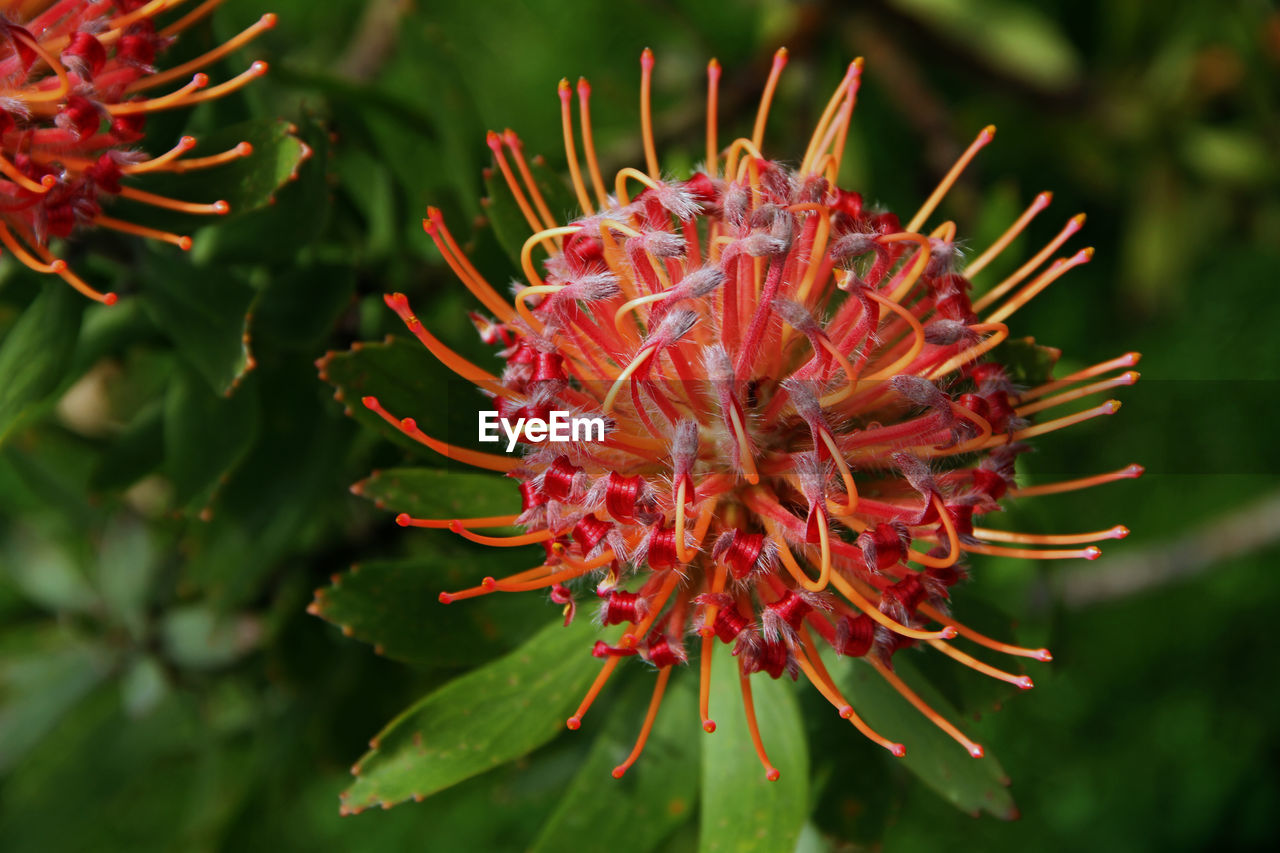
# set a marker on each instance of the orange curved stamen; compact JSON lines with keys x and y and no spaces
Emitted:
{"x":399,"y":303}
{"x":1090,"y":553}
{"x":240,"y":151}
{"x":749,"y":706}
{"x":1129,"y":472}
{"x":819,"y":131}
{"x":516,"y":147}
{"x":195,"y":15}
{"x":1126,"y":378}
{"x":233,"y":44}
{"x":979,"y":263}
{"x":574,"y":722}
{"x":1023,"y":681}
{"x":982,"y":639}
{"x":809,"y":659}
{"x":923,"y":707}
{"x":182,"y":241}
{"x":12,"y":172}
{"x":570,"y":151}
{"x":1058,"y":269}
{"x":953,"y":541}
{"x":406,"y":520}
{"x":1119,"y":531}
{"x":646,"y":113}
{"x":1129,"y":359}
{"x":494,"y":142}
{"x":219,"y":208}
{"x":588,"y":142}
{"x":176,"y":98}
{"x":988,"y":133}
{"x":655,"y":701}
{"x":502,"y":541}
{"x":770,"y":86}
{"x":409,"y":427}
{"x":462,"y":267}
{"x":1073,"y":225}
{"x":713,"y":101}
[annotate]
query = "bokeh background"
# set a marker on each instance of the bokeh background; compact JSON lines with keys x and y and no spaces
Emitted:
{"x":170,"y":506}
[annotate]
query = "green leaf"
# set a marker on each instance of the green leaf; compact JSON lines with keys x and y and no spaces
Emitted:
{"x":206,"y":436}
{"x":496,"y":713}
{"x":1015,"y":37}
{"x":634,"y":814}
{"x":199,"y":637}
{"x":1027,"y":362}
{"x":394,"y":606}
{"x":205,"y":313}
{"x":408,"y":382}
{"x":435,"y":493}
{"x":43,"y":673}
{"x":36,"y":352}
{"x":291,"y":216}
{"x":134,"y":453}
{"x":972,"y":785}
{"x":299,"y":307}
{"x":741,"y":810}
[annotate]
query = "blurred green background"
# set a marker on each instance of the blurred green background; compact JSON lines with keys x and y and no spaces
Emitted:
{"x":169,"y":505}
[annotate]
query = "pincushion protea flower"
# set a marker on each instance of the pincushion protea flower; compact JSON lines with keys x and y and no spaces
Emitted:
{"x":78,"y":78}
{"x":807,"y":411}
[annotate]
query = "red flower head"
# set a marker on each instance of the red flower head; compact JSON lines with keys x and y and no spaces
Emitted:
{"x":79,"y":83}
{"x":806,"y":411}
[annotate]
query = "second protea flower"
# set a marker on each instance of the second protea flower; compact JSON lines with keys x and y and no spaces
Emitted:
{"x":80,"y":80}
{"x":806,"y":411}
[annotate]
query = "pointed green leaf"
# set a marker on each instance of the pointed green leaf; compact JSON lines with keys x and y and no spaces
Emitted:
{"x":394,"y":606}
{"x":43,"y":673}
{"x":972,"y":784}
{"x":436,"y":493}
{"x":634,"y":814}
{"x":207,"y":435}
{"x":135,"y":452}
{"x":741,"y":810}
{"x":205,"y":313}
{"x":491,"y":715}
{"x":36,"y":352}
{"x":299,"y":307}
{"x":292,"y":212}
